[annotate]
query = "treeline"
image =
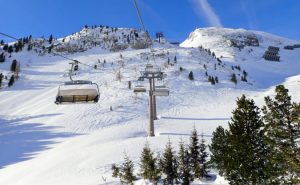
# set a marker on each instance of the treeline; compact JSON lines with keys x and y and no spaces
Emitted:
{"x":190,"y":163}
{"x":17,"y":46}
{"x":260,"y":147}
{"x":15,"y":70}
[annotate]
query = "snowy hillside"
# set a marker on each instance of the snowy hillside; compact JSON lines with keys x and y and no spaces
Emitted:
{"x":114,"y":39}
{"x":247,"y":49}
{"x":43,"y":143}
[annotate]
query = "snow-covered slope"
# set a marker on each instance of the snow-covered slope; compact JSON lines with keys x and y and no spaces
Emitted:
{"x":247,"y":49}
{"x":42,"y":143}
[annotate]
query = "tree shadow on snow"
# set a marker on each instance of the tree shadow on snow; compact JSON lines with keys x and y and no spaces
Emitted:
{"x":20,"y":141}
{"x":181,"y":134}
{"x":197,"y":119}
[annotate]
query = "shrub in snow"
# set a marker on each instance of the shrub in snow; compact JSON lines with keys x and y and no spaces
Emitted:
{"x":233,"y":78}
{"x":1,"y":79}
{"x":11,"y":81}
{"x":2,"y":57}
{"x":191,"y":75}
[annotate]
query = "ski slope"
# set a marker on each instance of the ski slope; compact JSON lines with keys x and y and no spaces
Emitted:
{"x":45,"y":143}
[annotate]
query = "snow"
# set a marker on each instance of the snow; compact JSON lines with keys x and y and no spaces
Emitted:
{"x":43,"y":143}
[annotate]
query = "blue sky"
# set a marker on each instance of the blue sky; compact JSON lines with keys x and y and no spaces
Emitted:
{"x":176,"y":18}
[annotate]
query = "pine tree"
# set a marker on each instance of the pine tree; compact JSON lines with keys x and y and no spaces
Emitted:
{"x":115,"y":170}
{"x":169,"y":165}
{"x":220,"y":156}
{"x":29,"y":47}
{"x":50,"y":39}
{"x":282,"y":118}
{"x":233,"y":78}
{"x":10,"y":49}
{"x":213,"y":54}
{"x":127,"y":176}
{"x":194,"y":150}
{"x":149,"y":165}
{"x":1,"y":79}
{"x":13,"y":66}
{"x":184,"y":168}
{"x":191,"y":75}
{"x":203,"y":161}
{"x":213,"y":81}
{"x":246,"y":145}
{"x":11,"y":81}
{"x":2,"y":57}
{"x":216,"y":79}
{"x":175,"y":59}
{"x":5,"y":47}
{"x":124,"y":172}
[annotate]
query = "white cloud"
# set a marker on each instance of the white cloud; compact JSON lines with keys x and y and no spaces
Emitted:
{"x":202,"y":7}
{"x":248,"y":9}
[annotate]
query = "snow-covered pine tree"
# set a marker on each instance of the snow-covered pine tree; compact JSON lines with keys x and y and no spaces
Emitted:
{"x":246,"y":145}
{"x":149,"y":168}
{"x":204,"y":163}
{"x":282,"y":119}
{"x":169,"y":165}
{"x":115,"y":170}
{"x":184,"y":168}
{"x":194,"y":151}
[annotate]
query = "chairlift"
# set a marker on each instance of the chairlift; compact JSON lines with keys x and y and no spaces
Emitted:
{"x":151,"y":68}
{"x":161,"y":90}
{"x":139,"y":89}
{"x":77,"y":91}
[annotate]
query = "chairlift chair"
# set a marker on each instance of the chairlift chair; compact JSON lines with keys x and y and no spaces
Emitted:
{"x":78,"y":91}
{"x":139,"y":89}
{"x":151,"y":68}
{"x":161,"y":90}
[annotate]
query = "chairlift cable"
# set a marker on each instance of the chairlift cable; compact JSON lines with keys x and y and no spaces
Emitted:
{"x":139,"y":15}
